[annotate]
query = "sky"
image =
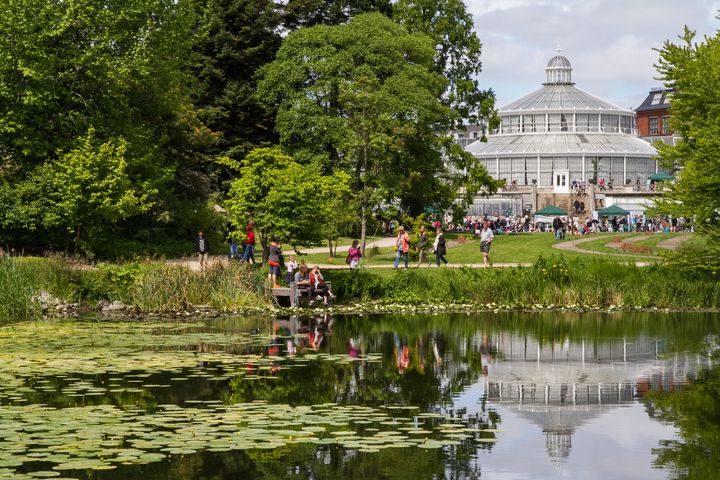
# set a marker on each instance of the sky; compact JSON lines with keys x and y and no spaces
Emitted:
{"x":608,"y":42}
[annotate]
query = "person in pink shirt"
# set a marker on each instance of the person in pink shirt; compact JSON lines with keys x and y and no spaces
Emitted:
{"x":402,"y":244}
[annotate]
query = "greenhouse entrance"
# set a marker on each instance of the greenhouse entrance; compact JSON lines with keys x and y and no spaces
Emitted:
{"x":561,"y":183}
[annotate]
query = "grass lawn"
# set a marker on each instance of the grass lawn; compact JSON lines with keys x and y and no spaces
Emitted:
{"x":520,"y":248}
{"x":649,"y":240}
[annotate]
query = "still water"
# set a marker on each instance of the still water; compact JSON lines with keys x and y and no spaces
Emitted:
{"x":493,"y":396}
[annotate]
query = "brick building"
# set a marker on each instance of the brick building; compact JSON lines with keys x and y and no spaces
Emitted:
{"x":653,"y":117}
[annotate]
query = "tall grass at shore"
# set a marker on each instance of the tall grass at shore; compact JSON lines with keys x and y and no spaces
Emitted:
{"x":550,"y":281}
{"x":26,"y":285}
{"x":144,"y":286}
{"x":18,"y":292}
{"x":166,"y":288}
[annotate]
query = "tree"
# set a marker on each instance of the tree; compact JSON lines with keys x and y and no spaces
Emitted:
{"x":363,"y":99}
{"x":88,"y":190}
{"x":113,"y":67}
{"x":282,"y":198}
{"x":235,"y":38}
{"x":693,"y":71}
{"x":457,"y":57}
{"x":308,"y":13}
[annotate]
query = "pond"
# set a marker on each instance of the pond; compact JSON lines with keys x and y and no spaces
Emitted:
{"x":487,"y":395}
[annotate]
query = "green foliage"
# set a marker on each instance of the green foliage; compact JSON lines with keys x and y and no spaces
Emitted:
{"x":553,"y":269}
{"x":696,"y":259}
{"x":695,"y":411}
{"x":457,"y":56}
{"x":18,"y":292}
{"x":89,"y":189}
{"x":692,"y":69}
{"x":357,"y":283}
{"x":551,"y":281}
{"x":363,"y":98}
{"x":407,"y":286}
{"x":308,"y":13}
{"x":168,"y":289}
{"x":285,"y":199}
{"x":115,"y":70}
{"x":234,"y":39}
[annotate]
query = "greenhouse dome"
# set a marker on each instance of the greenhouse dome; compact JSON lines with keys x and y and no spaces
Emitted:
{"x":559,"y":134}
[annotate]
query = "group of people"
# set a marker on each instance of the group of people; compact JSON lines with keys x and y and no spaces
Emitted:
{"x":202,"y":246}
{"x":439,"y":247}
{"x":301,"y":275}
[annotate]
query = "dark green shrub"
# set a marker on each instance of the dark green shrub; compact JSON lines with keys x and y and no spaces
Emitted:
{"x":358,"y":283}
{"x":407,"y":286}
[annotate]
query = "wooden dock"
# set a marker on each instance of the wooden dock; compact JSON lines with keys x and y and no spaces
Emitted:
{"x":293,"y":293}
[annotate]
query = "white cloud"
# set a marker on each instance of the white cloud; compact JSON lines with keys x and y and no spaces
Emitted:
{"x":609,"y":42}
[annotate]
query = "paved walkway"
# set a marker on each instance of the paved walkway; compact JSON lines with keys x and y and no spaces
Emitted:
{"x":674,"y":242}
{"x":572,"y":246}
{"x":380,"y":242}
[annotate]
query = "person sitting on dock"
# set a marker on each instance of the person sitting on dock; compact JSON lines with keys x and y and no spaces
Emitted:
{"x":319,"y":287}
{"x":302,"y":276}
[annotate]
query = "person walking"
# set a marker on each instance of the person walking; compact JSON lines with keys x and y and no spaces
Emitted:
{"x":402,"y":244}
{"x":422,"y":246}
{"x":249,"y":245}
{"x":439,"y":248}
{"x":486,"y":238}
{"x":233,"y":241}
{"x":354,"y":255}
{"x":274,"y":263}
{"x":202,"y":248}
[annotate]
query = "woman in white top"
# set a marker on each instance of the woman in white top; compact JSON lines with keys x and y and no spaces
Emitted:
{"x":486,"y":238}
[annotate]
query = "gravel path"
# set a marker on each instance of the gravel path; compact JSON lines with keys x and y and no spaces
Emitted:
{"x":673,"y":243}
{"x":572,"y":246}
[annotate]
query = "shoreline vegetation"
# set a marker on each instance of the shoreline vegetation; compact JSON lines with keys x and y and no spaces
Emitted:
{"x":31,"y":288}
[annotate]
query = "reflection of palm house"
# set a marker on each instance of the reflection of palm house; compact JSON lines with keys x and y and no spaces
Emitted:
{"x":561,"y":133}
{"x":562,"y":386}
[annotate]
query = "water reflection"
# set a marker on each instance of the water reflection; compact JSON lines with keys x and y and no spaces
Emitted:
{"x":544,"y":396}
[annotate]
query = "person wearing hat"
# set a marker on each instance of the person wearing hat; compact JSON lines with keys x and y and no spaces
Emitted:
{"x":402,"y":245}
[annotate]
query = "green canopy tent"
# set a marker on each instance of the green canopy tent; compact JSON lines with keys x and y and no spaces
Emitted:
{"x":551,"y":211}
{"x":660,"y":176}
{"x":613,"y":211}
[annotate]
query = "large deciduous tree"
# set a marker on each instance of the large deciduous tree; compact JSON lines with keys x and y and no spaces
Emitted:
{"x":364,"y":97}
{"x":283,"y":198}
{"x":457,"y":56}
{"x":692,"y":69}
{"x":308,"y":13}
{"x":67,"y":67}
{"x":87,"y":190}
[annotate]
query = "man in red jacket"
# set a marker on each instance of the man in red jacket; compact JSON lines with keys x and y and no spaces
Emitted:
{"x":249,"y":245}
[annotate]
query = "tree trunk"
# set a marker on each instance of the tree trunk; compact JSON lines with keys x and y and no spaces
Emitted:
{"x":77,"y":240}
{"x":363,"y":226}
{"x":265,"y":247}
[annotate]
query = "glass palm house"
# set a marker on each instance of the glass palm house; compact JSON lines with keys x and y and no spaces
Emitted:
{"x":560,"y":133}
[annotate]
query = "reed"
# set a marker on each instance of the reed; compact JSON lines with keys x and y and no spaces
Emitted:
{"x":18,"y":291}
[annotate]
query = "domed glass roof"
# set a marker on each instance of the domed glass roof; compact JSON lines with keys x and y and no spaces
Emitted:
{"x":559,"y":70}
{"x":559,"y":94}
{"x":559,"y":61}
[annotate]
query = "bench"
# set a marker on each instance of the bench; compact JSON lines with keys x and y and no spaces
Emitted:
{"x":294,"y":293}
